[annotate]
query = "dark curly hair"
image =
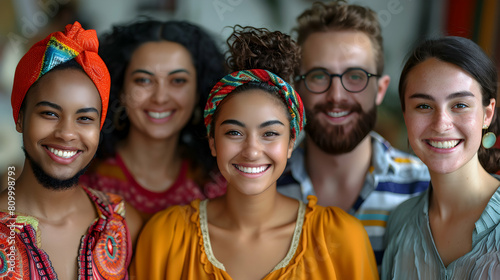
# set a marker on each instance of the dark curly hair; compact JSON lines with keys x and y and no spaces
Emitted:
{"x":259,"y":48}
{"x":117,"y":48}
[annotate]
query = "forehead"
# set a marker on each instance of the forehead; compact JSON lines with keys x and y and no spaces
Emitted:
{"x":439,"y":78}
{"x":337,"y":50}
{"x":67,"y":88}
{"x":254,"y":105}
{"x":161,"y":56}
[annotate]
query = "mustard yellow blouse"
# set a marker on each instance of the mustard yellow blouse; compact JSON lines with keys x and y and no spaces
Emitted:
{"x":327,"y":244}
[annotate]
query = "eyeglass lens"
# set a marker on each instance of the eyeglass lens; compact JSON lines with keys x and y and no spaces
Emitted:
{"x":353,"y":80}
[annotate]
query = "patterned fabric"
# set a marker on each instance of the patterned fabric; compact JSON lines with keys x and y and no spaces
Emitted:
{"x":105,"y":251}
{"x":411,"y":253}
{"x":394,"y":177}
{"x":75,"y":43}
{"x":330,"y":244}
{"x":112,"y":175}
{"x":230,"y":82}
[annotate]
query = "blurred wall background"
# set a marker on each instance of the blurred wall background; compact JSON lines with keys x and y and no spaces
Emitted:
{"x":404,"y":23}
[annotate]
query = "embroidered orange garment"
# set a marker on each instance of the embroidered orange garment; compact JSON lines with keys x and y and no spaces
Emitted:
{"x":330,"y":244}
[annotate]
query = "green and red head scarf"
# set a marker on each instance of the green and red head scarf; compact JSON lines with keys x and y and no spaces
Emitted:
{"x":59,"y":47}
{"x":230,"y":82}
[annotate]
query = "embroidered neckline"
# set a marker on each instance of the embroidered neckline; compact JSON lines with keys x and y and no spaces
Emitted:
{"x":283,"y":263}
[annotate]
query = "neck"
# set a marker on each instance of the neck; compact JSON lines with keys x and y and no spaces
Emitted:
{"x":250,"y":212}
{"x":466,"y":189}
{"x":141,"y":152}
{"x":337,"y":170}
{"x":33,"y":199}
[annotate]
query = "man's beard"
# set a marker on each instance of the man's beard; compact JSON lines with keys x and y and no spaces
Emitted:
{"x":333,"y":139}
{"x":50,"y":182}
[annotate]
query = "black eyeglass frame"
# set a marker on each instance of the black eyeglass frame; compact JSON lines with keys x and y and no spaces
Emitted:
{"x":303,"y":77}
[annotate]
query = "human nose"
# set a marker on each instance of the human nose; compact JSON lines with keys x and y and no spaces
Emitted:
{"x":161,"y":93}
{"x":442,"y":121}
{"x":66,"y":130}
{"x":336,"y":93}
{"x":252,"y":148}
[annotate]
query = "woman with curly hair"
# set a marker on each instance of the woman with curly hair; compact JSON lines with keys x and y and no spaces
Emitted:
{"x":253,"y":117}
{"x":153,"y":152}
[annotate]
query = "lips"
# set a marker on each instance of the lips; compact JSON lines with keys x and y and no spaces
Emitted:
{"x":62,"y":153}
{"x":338,"y":114}
{"x":444,"y":144}
{"x":252,"y":170}
{"x":159,"y":115}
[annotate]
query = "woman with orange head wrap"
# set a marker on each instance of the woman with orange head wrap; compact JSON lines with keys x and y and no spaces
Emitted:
{"x":50,"y":226}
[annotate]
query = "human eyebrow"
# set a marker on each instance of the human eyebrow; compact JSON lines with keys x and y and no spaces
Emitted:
{"x":49,"y":104}
{"x":87,"y":110}
{"x":460,"y":94}
{"x":234,"y":122}
{"x":272,"y":122}
{"x":449,"y":97}
{"x":421,"y":95}
{"x":178,"y":71}
{"x":143,"y":71}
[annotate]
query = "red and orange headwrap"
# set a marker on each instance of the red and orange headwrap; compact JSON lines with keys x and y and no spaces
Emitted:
{"x":75,"y":43}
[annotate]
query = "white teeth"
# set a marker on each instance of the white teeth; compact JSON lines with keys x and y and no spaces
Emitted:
{"x":444,"y":144}
{"x":159,"y":115}
{"x":338,"y":114}
{"x":63,"y":154}
{"x":251,"y":170}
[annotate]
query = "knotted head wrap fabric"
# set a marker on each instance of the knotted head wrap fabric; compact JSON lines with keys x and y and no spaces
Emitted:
{"x":230,"y":82}
{"x":75,"y":43}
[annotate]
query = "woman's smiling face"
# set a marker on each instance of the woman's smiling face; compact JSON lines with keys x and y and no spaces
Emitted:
{"x":444,"y":115}
{"x":251,"y":140}
{"x":61,"y":122}
{"x":159,"y":90}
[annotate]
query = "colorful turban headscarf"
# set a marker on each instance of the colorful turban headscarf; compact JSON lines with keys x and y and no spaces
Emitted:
{"x":75,"y":43}
{"x":230,"y":82}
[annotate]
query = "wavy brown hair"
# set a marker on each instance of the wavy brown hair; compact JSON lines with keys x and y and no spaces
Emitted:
{"x":339,"y":15}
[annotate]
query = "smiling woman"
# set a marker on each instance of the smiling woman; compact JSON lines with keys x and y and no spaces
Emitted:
{"x":153,"y":152}
{"x":50,"y":226}
{"x":253,"y":116}
{"x":448,"y":93}
{"x":47,"y":110}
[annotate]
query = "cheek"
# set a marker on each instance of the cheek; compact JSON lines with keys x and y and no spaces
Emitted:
{"x":280,"y":151}
{"x":413,"y":125}
{"x":134,"y":96}
{"x":92,"y":136}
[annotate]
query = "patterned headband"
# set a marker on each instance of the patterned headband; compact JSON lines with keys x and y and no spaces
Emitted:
{"x":58,"y":47}
{"x":230,"y":82}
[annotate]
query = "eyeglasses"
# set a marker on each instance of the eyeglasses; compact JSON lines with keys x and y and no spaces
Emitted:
{"x":319,"y":80}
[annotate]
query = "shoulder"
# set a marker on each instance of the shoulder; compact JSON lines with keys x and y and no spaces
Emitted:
{"x":174,"y":219}
{"x":405,"y":213}
{"x":331,"y":219}
{"x":108,"y":202}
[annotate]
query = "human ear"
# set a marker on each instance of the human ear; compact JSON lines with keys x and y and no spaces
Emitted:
{"x":19,"y":123}
{"x":291,"y":144}
{"x":382,"y":85}
{"x":489,"y":112}
{"x":211,"y":143}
